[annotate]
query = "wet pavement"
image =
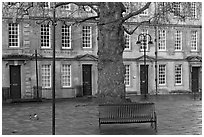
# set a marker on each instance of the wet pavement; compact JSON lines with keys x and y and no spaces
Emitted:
{"x":177,"y":116}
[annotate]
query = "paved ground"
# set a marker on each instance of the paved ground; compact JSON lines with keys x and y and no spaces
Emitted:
{"x":178,"y":116}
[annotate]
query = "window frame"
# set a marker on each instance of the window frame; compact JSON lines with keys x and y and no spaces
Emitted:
{"x":127,"y":76}
{"x":163,"y":40}
{"x":163,"y":77}
{"x":18,"y":36}
{"x":193,"y":10}
{"x":180,"y":75}
{"x":178,"y":41}
{"x":127,"y":42}
{"x":70,"y":37}
{"x":69,"y":80}
{"x":145,"y":12}
{"x":45,"y":47}
{"x":144,"y":31}
{"x":66,"y":7}
{"x":50,"y":76}
{"x":87,"y":37}
{"x":194,"y":41}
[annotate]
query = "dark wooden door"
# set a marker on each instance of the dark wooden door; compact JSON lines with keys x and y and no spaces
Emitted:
{"x":87,"y":84}
{"x":15,"y":82}
{"x":195,"y":79}
{"x":144,"y":79}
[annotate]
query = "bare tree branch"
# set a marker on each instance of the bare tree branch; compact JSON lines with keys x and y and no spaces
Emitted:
{"x":88,"y":18}
{"x":78,"y":3}
{"x":132,"y":31}
{"x":146,"y":6}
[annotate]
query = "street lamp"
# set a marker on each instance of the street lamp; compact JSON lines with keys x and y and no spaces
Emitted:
{"x":142,"y":39}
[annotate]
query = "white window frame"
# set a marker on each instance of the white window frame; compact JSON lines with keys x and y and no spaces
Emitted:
{"x":177,"y":6}
{"x":87,"y":37}
{"x":48,"y":5}
{"x":178,"y":40}
{"x":127,"y":75}
{"x":18,"y":36}
{"x":49,"y":75}
{"x":66,"y":34}
{"x":193,"y":10}
{"x":144,"y":31}
{"x":162,"y":83}
{"x":66,"y":7}
{"x":45,"y":47}
{"x":194,"y":41}
{"x":162,"y":41}
{"x":145,"y":12}
{"x":66,"y":75}
{"x":178,"y":76}
{"x":127,"y":41}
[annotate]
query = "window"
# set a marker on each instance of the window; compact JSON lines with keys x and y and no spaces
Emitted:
{"x":176,"y":8}
{"x":144,"y":31}
{"x":193,"y":40}
{"x":162,"y":74}
{"x":46,"y":76}
{"x":162,"y":40}
{"x":66,"y":7}
{"x":193,"y":10}
{"x":178,"y":41}
{"x":178,"y":74}
{"x":86,"y":37}
{"x":66,"y":37}
{"x":45,"y":36}
{"x":127,"y":7}
{"x":13,"y":32}
{"x":127,"y":41}
{"x":127,"y":75}
{"x":145,"y":12}
{"x":66,"y":75}
{"x":46,"y":4}
{"x":161,"y":6}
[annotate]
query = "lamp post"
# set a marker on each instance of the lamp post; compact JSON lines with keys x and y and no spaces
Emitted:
{"x":142,"y":39}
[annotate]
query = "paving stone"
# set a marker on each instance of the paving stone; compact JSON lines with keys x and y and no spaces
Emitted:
{"x":175,"y":117}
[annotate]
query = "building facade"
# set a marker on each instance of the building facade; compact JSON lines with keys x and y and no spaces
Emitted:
{"x":27,"y":56}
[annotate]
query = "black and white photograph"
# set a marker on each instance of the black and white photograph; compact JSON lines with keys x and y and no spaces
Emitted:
{"x":101,"y":68}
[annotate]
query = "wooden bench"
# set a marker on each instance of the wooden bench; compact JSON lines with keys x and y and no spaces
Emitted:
{"x":128,"y":113}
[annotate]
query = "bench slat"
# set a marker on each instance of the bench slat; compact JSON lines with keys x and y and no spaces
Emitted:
{"x":127,"y":113}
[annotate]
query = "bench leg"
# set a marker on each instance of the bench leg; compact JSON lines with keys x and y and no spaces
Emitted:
{"x":155,"y":125}
{"x":152,"y":125}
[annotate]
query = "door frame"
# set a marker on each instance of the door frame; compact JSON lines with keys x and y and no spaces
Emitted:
{"x":198,"y":78}
{"x":91,"y":65}
{"x":147,"y":79}
{"x":19,"y":79}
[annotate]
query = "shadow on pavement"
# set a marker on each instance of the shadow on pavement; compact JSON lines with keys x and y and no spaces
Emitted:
{"x":127,"y":129}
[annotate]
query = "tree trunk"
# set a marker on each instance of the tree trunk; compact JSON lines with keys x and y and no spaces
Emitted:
{"x":111,"y":70}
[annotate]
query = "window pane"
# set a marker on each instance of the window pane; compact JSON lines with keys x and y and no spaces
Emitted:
{"x":66,"y":37}
{"x":162,"y":40}
{"x":162,"y":74}
{"x":178,"y":74}
{"x":194,"y":40}
{"x":46,"y":76}
{"x":13,"y":34}
{"x":127,"y":75}
{"x":66,"y":75}
{"x":45,"y":36}
{"x":86,"y":37}
{"x":178,"y":40}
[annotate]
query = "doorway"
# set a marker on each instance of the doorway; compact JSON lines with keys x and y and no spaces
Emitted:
{"x":15,"y":82}
{"x":195,"y":79}
{"x":87,"y":81}
{"x":144,"y":79}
